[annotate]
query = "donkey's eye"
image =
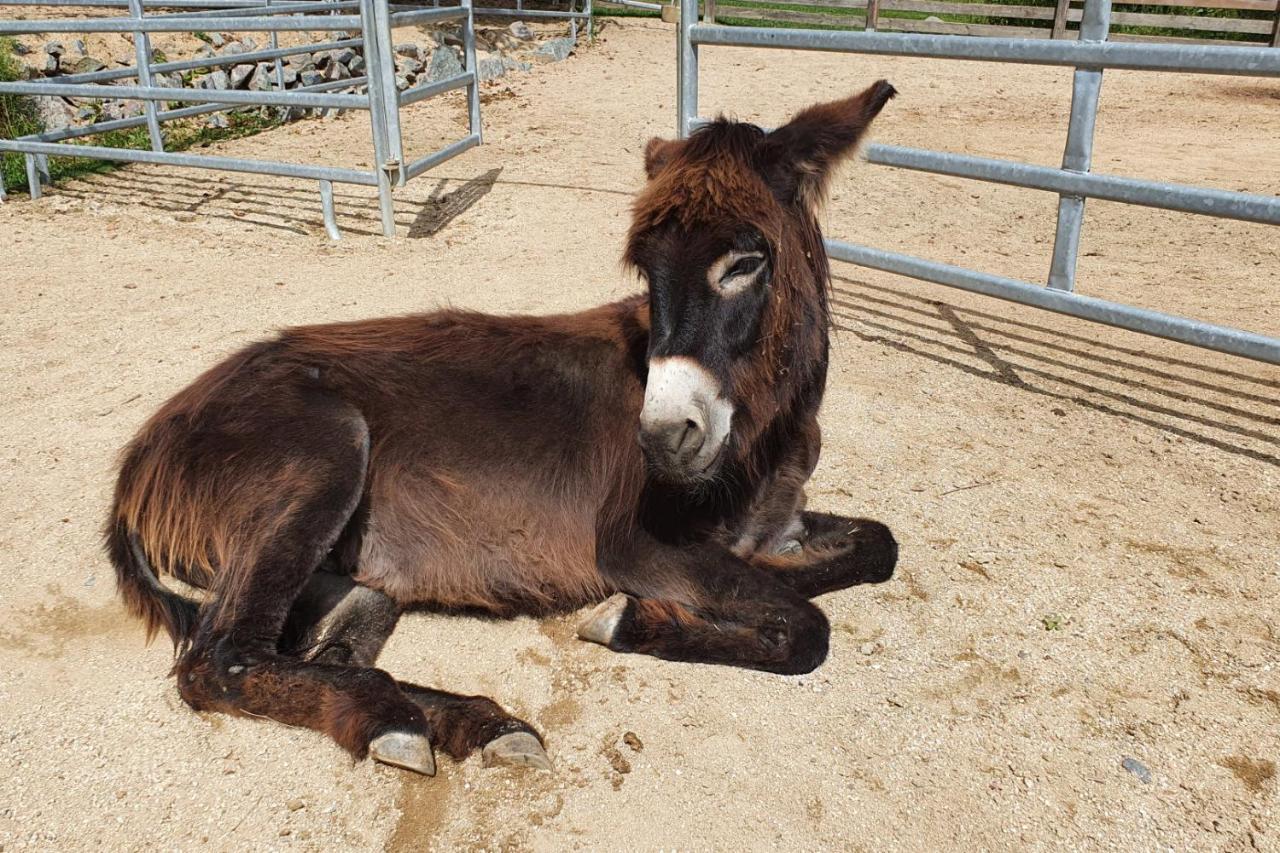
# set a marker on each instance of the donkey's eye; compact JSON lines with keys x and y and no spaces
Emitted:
{"x":744,"y":266}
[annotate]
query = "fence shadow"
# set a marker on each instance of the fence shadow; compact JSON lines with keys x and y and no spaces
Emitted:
{"x":439,"y":210}
{"x":1236,"y":411}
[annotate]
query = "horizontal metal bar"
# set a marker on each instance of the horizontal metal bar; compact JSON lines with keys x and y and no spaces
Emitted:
{"x":168,"y":158}
{"x":285,"y":9}
{"x":458,"y":81}
{"x":148,"y":4}
{"x":182,"y":25}
{"x":482,"y":12}
{"x":292,"y":98}
{"x":635,"y":4}
{"x":417,"y":167}
{"x":1209,"y":202}
{"x":1174,"y":328}
{"x":209,"y":62}
{"x":168,"y":115}
{"x":1204,"y":59}
{"x":428,"y":16}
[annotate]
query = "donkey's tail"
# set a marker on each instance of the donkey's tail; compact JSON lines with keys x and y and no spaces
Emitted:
{"x":144,"y":596}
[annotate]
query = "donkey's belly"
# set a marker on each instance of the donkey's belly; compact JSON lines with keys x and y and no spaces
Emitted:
{"x":435,"y":538}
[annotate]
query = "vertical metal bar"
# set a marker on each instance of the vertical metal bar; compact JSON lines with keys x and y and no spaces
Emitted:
{"x":4,"y":195}
{"x":873,"y":16}
{"x":142,"y":54}
{"x":686,"y":69}
{"x":1061,"y":12}
{"x":33,"y":178}
{"x":1086,"y":85}
{"x":386,"y":69}
{"x":274,"y":40}
{"x":469,"y":57}
{"x":377,"y":114}
{"x":326,"y":205}
{"x":591,"y":30}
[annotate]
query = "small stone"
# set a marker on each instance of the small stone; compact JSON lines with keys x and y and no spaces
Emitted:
{"x":51,"y":65}
{"x":217,"y":39}
{"x":356,"y":65}
{"x":409,"y":51}
{"x":290,"y":76}
{"x":78,"y":47}
{"x":345,"y":56}
{"x":555,"y":50}
{"x":234,"y":49}
{"x":21,"y":49}
{"x":406,"y":65}
{"x":632,"y":740}
{"x":241,"y":75}
{"x":217,"y":80}
{"x":87,"y":65}
{"x":311,"y":78}
{"x":262,"y":76}
{"x":520,"y":30}
{"x":55,"y":48}
{"x":295,"y":805}
{"x":203,"y":52}
{"x":1137,"y":768}
{"x":869,"y":648}
{"x":218,"y":121}
{"x":248,"y":43}
{"x":444,"y":63}
{"x":86,"y":114}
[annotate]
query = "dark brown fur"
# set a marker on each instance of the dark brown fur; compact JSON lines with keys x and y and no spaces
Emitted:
{"x":463,"y":461}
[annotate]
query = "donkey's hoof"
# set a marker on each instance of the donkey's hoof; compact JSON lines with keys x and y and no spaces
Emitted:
{"x":602,"y":623}
{"x":517,"y":748}
{"x":402,"y":749}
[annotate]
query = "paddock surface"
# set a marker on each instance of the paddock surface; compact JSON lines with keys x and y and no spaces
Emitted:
{"x":1090,"y":519}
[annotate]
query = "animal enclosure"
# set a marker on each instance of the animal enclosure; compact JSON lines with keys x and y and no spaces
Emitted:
{"x":375,"y":91}
{"x":1073,"y":183}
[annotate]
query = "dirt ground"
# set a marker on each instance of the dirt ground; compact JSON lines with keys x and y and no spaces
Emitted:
{"x":1089,"y":518}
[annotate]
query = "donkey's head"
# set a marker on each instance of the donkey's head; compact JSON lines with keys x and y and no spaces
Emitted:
{"x":725,"y":234}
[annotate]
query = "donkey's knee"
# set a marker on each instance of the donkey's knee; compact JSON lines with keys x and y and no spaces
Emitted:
{"x":210,"y":675}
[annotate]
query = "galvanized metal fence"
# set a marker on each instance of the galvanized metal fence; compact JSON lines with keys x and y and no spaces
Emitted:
{"x":377,"y":92}
{"x":1073,"y":182}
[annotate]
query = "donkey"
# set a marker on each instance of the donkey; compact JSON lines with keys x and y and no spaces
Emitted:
{"x":317,"y":484}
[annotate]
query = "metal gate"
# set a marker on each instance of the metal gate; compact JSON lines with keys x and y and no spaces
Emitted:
{"x":380,"y":97}
{"x":1073,"y":182}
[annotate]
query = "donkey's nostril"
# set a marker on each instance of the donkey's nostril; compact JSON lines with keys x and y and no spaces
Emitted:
{"x":687,"y":439}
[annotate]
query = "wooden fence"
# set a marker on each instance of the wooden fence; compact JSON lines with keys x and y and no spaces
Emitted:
{"x":1243,"y":22}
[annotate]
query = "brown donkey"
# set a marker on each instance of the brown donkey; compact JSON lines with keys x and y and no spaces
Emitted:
{"x":319,"y":483}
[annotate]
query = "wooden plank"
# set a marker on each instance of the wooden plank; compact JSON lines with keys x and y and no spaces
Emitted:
{"x":1275,"y":32}
{"x":1060,"y":12}
{"x":873,"y":14}
{"x":1248,"y":5}
{"x":912,"y":25}
{"x":848,"y":22}
{"x":818,"y":4}
{"x":1192,"y":22}
{"x":986,"y":10}
{"x":1182,"y":40}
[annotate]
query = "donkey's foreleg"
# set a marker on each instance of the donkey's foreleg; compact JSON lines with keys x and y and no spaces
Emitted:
{"x":338,"y":621}
{"x":836,"y":553}
{"x":702,"y":604}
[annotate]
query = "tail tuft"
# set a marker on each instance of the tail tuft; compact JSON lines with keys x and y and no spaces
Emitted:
{"x":144,"y":596}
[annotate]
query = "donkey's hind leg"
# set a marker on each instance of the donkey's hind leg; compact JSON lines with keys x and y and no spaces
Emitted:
{"x":835,"y":553}
{"x":234,"y":664}
{"x":338,"y":621}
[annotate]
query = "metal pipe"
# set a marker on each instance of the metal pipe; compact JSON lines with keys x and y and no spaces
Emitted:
{"x":490,"y":12}
{"x":33,"y":176}
{"x":686,"y":68}
{"x":1208,"y":202}
{"x":417,"y":167}
{"x":469,"y":57}
{"x":227,"y":96}
{"x":142,"y":56}
{"x":427,"y":16}
{"x":173,"y":158}
{"x":1182,"y":329}
{"x":180,"y":25}
{"x":430,"y":90}
{"x":1136,"y":56}
{"x":377,"y":115}
{"x":326,"y":208}
{"x":394,"y":161}
{"x":1086,"y":87}
{"x":208,"y":62}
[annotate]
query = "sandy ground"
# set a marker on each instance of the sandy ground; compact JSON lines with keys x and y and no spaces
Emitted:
{"x":1089,"y":518}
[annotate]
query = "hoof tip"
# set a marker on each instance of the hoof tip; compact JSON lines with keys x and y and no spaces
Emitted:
{"x":516,"y":749}
{"x":602,"y":622}
{"x":402,"y":749}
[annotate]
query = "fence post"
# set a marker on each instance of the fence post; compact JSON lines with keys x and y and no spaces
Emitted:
{"x":873,"y":16}
{"x":142,"y":54}
{"x":1078,"y":156}
{"x":709,"y":11}
{"x":1275,"y":30}
{"x":377,"y":113}
{"x":469,"y":57}
{"x":686,"y":69}
{"x":1060,"y":14}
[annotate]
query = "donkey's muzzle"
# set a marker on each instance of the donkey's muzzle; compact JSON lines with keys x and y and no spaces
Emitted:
{"x":685,"y":420}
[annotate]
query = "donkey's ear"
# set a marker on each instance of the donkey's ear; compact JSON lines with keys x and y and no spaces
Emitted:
{"x":801,"y":155}
{"x":658,"y":153}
